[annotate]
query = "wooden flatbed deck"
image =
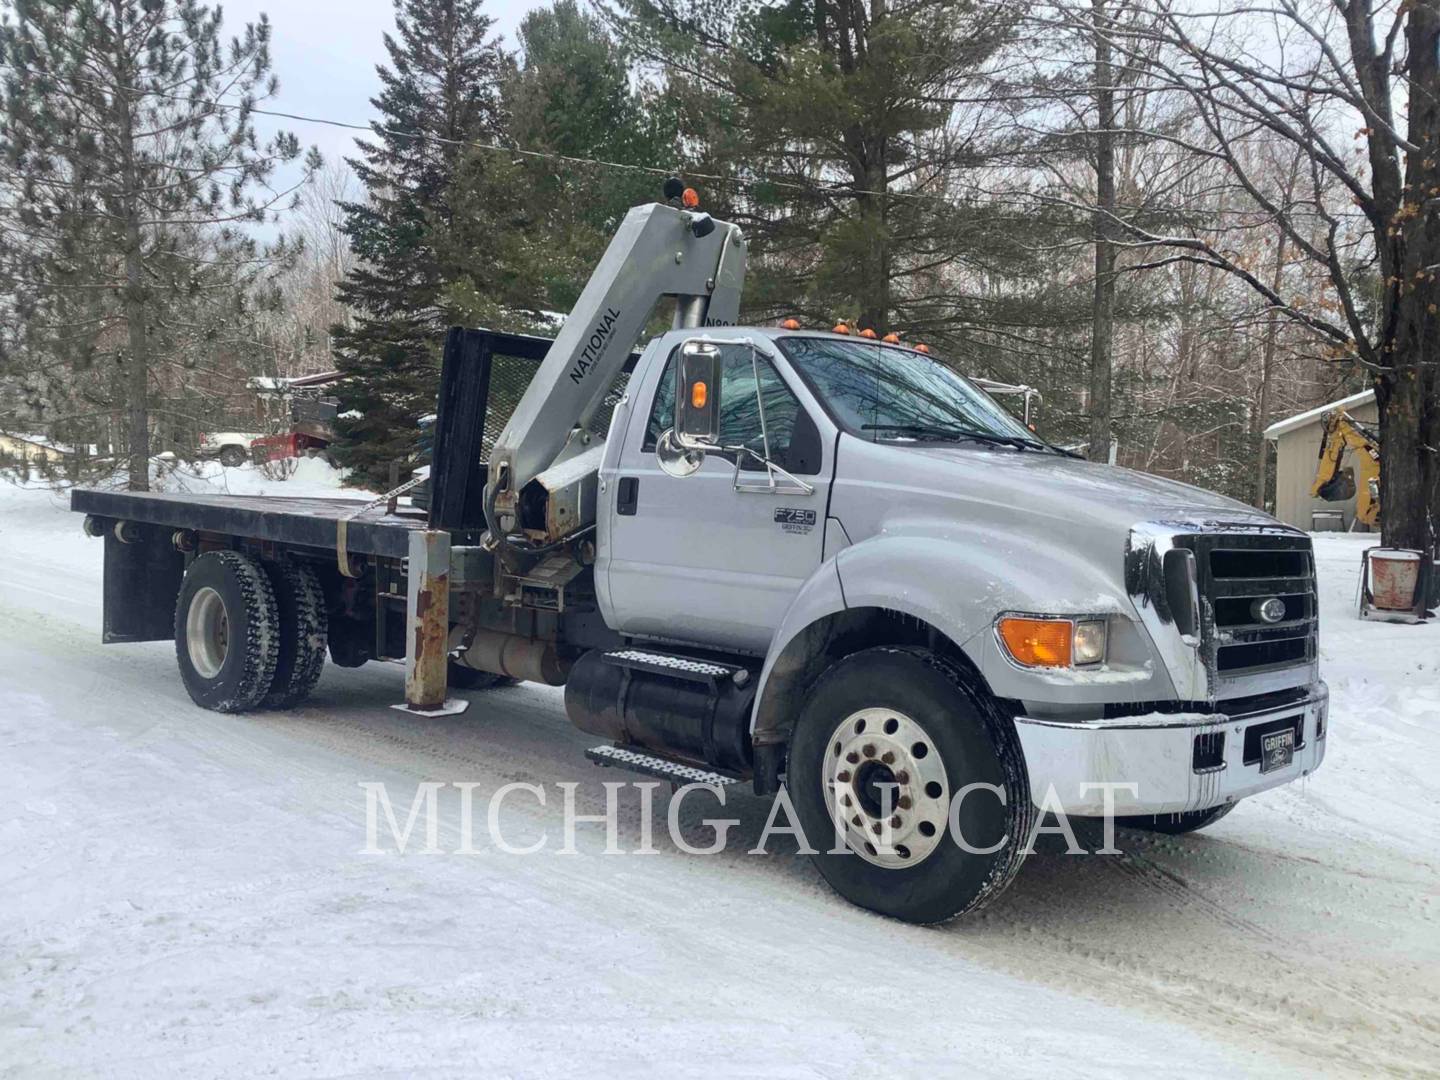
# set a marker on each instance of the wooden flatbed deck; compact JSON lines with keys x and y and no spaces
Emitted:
{"x":309,"y":522}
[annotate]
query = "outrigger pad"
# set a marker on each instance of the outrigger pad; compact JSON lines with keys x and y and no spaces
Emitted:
{"x":452,"y":707}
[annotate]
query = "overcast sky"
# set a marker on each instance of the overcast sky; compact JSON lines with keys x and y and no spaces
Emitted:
{"x":325,"y":52}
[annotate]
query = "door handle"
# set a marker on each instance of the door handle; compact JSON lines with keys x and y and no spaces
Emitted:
{"x":627,"y":497}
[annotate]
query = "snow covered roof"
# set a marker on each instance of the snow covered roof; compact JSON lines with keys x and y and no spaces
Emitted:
{"x":275,"y":385}
{"x":38,"y":440}
{"x":1354,"y":401}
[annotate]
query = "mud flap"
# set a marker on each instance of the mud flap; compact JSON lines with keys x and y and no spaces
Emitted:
{"x":142,"y":581}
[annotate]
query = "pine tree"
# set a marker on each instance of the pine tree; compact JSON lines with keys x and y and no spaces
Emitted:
{"x":838,"y":120}
{"x":128,"y":158}
{"x":440,"y":89}
{"x":546,"y":220}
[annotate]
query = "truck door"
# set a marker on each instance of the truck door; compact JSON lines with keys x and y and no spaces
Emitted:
{"x":705,"y":558}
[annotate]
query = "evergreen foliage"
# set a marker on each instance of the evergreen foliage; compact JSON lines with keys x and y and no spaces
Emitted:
{"x":442,"y":83}
{"x":128,"y":166}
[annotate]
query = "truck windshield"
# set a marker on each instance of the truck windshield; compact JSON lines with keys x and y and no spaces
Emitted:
{"x":895,"y":395}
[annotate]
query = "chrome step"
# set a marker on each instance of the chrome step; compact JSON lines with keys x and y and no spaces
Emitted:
{"x":677,"y":667}
{"x":650,"y":765}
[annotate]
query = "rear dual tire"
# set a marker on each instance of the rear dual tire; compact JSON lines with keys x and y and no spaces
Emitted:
{"x":227,"y":632}
{"x":304,"y":641}
{"x":249,"y":634}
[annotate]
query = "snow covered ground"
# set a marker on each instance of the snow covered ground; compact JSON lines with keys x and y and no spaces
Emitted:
{"x":183,"y":893}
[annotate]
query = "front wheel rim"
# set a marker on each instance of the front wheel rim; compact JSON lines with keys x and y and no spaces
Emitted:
{"x":207,"y":633}
{"x":886,"y":787}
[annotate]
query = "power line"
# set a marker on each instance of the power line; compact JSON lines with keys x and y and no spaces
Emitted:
{"x":1028,"y":202}
{"x":546,"y":155}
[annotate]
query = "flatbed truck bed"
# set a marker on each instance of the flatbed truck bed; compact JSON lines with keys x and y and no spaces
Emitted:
{"x":279,"y":519}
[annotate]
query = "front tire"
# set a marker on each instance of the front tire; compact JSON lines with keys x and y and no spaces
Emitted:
{"x":232,"y":457}
{"x":227,"y":631}
{"x":909,"y":718}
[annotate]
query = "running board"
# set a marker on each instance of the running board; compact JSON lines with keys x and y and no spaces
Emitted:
{"x":662,"y":768}
{"x":685,"y":668}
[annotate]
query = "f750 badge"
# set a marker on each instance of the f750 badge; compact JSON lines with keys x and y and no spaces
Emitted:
{"x":792,"y":520}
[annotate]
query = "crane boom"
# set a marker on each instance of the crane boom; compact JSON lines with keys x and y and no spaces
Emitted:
{"x":659,"y":251}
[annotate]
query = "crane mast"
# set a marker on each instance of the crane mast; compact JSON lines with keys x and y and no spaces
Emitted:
{"x":659,"y":252}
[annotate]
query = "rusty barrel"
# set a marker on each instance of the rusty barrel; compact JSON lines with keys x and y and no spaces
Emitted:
{"x":1394,"y":576}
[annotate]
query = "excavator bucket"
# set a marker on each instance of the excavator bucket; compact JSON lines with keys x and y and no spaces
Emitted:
{"x":1339,"y":487}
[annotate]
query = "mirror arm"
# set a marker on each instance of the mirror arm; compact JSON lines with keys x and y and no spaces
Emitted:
{"x":770,"y":468}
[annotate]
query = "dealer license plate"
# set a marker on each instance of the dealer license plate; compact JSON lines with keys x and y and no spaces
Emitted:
{"x":1277,"y":750}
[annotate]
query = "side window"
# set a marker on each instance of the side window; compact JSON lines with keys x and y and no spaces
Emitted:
{"x":791,"y":431}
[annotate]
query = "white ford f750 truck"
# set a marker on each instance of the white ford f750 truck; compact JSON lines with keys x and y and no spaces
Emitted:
{"x":790,"y":557}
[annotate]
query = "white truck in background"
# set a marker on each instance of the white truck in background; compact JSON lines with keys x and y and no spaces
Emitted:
{"x":231,"y":448}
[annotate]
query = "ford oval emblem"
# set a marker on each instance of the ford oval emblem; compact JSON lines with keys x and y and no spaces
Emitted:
{"x":1268,"y":610}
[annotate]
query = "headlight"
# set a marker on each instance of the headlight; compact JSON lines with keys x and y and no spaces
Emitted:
{"x":1053,"y":642}
{"x":1089,"y":642}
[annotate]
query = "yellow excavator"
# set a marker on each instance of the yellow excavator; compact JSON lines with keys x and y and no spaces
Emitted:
{"x":1333,"y":483}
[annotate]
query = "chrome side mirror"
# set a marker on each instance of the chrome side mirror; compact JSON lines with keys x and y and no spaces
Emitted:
{"x":674,"y":459}
{"x":697,"y":397}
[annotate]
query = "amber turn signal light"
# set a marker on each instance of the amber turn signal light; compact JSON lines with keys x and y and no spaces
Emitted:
{"x":790,"y":324}
{"x":699,"y":394}
{"x":690,"y":198}
{"x":840,"y":328}
{"x":1038,"y":642}
{"x":922,"y":347}
{"x":891,"y":339}
{"x":867,"y":332}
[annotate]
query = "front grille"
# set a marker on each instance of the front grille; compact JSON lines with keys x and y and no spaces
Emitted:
{"x":1236,"y":573}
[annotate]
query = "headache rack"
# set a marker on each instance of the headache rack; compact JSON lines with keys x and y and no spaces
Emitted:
{"x":1236,"y":574}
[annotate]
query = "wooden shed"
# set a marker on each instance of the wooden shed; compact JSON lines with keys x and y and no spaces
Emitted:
{"x":1297,"y":453}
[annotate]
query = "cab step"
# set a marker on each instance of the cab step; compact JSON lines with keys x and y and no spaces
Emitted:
{"x":647,"y":764}
{"x":686,"y":668}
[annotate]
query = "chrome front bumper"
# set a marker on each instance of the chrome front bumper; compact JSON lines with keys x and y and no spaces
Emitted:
{"x":1147,"y":763}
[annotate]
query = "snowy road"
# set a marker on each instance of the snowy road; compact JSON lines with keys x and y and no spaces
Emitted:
{"x":184,"y":894}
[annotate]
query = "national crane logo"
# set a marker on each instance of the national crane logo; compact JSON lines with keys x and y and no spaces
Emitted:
{"x":599,"y":338}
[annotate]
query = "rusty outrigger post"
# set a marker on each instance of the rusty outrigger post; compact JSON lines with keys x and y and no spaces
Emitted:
{"x":427,"y":625}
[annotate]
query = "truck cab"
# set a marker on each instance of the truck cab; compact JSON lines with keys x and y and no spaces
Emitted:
{"x":1153,"y":645}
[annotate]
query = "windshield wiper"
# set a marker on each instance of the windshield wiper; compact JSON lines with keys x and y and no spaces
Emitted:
{"x":1041,"y":444}
{"x":936,"y":432}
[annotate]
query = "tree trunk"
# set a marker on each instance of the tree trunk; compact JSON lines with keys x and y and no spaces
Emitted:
{"x":1409,"y":395}
{"x":1103,"y":315}
{"x":875,"y":270}
{"x":137,"y":360}
{"x":137,"y":367}
{"x":1267,"y":365}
